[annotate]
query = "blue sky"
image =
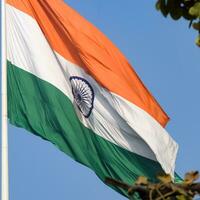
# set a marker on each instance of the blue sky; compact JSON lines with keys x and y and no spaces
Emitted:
{"x":164,"y":55}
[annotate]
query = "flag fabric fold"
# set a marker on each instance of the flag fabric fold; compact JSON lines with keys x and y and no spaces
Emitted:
{"x":68,"y":84}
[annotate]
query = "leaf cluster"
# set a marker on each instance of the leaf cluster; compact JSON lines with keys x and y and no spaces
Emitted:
{"x":187,"y":9}
{"x":165,"y":189}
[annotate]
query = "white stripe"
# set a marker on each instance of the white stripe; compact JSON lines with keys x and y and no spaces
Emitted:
{"x":112,"y":117}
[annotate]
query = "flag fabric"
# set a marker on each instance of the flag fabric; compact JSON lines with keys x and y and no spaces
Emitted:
{"x":68,"y":84}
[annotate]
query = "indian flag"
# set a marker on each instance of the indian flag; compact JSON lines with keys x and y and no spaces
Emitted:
{"x":68,"y":84}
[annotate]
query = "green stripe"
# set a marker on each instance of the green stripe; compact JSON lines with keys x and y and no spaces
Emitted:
{"x":45,"y":111}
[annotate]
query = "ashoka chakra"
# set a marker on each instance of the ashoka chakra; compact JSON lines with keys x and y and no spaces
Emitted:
{"x":83,"y":95}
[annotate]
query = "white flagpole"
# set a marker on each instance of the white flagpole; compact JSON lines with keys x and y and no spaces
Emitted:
{"x":4,"y":128}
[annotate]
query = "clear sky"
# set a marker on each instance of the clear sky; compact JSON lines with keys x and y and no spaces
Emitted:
{"x":164,"y":55}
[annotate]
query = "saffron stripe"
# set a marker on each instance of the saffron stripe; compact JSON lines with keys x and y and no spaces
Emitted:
{"x":81,"y":43}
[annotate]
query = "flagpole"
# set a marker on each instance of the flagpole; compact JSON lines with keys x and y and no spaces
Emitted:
{"x":4,"y":128}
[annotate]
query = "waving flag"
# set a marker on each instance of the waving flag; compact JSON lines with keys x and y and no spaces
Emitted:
{"x":68,"y":84}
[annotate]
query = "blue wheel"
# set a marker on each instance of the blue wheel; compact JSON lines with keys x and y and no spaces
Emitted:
{"x":83,"y":95}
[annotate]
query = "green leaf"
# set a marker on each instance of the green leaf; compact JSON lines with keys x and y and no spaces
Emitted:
{"x":198,"y":41}
{"x":181,"y":197}
{"x":175,"y":9}
{"x":195,"y":10}
{"x":186,"y":14}
{"x":158,"y":5}
{"x":176,"y":13}
{"x":161,"y":5}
